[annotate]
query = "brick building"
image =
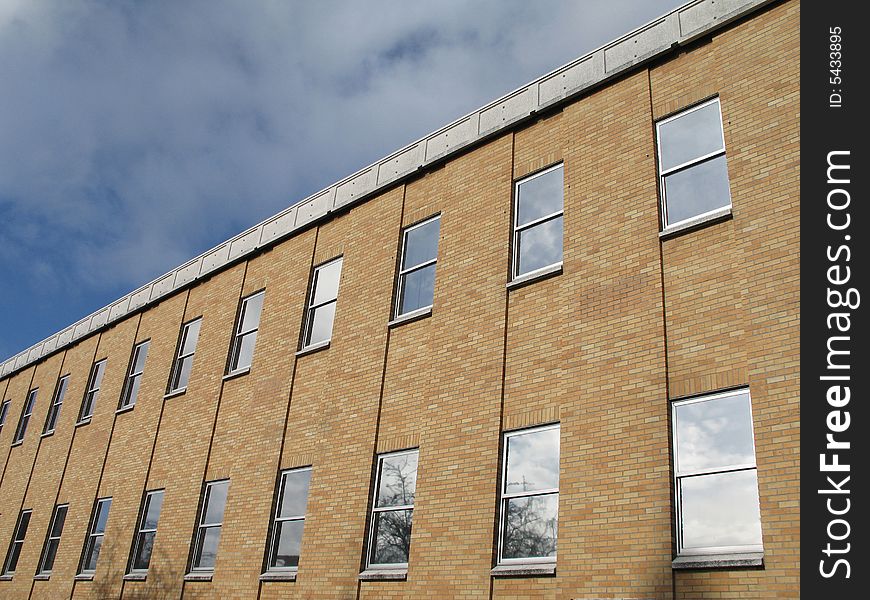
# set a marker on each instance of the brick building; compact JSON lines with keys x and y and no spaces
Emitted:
{"x":559,"y":336}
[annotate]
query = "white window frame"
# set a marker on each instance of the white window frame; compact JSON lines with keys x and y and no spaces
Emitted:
{"x":200,"y":524}
{"x":49,"y":539}
{"x":687,"y":165}
{"x":93,"y":534}
{"x":127,"y":398}
{"x":375,"y":510}
{"x":181,"y":356}
{"x":518,"y":229}
{"x":679,"y":475}
{"x":56,"y":402}
{"x":24,"y":420}
{"x":311,"y":307}
{"x":18,"y":538}
{"x":235,"y":348}
{"x":4,"y":412}
{"x":403,"y":273}
{"x":141,"y":530}
{"x":276,"y":519}
{"x":504,"y":496}
{"x":95,"y":380}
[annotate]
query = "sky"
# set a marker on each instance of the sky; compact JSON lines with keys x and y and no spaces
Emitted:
{"x":136,"y":135}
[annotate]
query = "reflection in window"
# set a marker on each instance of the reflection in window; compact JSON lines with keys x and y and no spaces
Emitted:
{"x":4,"y":412}
{"x":56,"y":403}
{"x":692,"y":166}
{"x":321,"y":303}
{"x":52,"y":540}
{"x":25,"y":416}
{"x":289,"y":519}
{"x":530,"y":496}
{"x":184,"y":356}
{"x":415,"y":288}
{"x":96,"y":533}
{"x":134,"y":377}
{"x":94,"y":383}
{"x":538,"y":224}
{"x":392,"y":510}
{"x":17,"y":542}
{"x":211,"y":519}
{"x":143,"y":545}
{"x":715,"y":475}
{"x":242,"y":351}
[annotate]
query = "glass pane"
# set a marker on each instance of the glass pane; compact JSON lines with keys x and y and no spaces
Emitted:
{"x":539,"y":246}
{"x":391,"y":539}
{"x":216,"y":499}
{"x":31,"y":400}
{"x":540,"y":196}
{"x":294,"y":498}
{"x":14,"y":553}
{"x":100,"y":369}
{"x":102,"y":516}
{"x":207,"y":547}
{"x":320,"y":326}
{"x":532,"y":461}
{"x":698,"y":189}
{"x":398,"y":480}
{"x":143,"y":550}
{"x":531,"y":526}
{"x":714,"y":434}
{"x":50,"y":422}
{"x":61,"y":390}
{"x":418,"y":289}
{"x":93,"y":553}
{"x":50,"y":553}
{"x":59,"y":520}
{"x":251,"y":313}
{"x":4,"y":410}
{"x":720,"y":510}
{"x":23,"y":525}
{"x":191,"y":335}
{"x":421,"y":244}
{"x":286,"y":544}
{"x":183,"y":372}
{"x":694,"y":134}
{"x":152,"y":510}
{"x":326,"y":282}
{"x":245,"y":353}
{"x":139,"y":360}
{"x":132,"y":390}
{"x":88,"y":406}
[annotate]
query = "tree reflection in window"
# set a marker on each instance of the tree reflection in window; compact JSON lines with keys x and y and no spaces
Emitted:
{"x":393,"y":509}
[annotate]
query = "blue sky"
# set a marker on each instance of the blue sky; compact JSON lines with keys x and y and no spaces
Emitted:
{"x":136,"y":135}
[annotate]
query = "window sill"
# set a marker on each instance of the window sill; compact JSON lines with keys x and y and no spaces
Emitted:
{"x":135,"y":576}
{"x":125,"y":409}
{"x":6,"y":577}
{"x":47,"y":434}
{"x":313,"y":348}
{"x":235,"y":374}
{"x":719,"y":561}
{"x":175,"y":393}
{"x":18,"y":443}
{"x":384,"y":575}
{"x":42,"y":577}
{"x":207,"y":576}
{"x":278,"y":576}
{"x":414,"y":315}
{"x":84,"y":577}
{"x":524,"y":570}
{"x":83,"y":422}
{"x":538,"y":275}
{"x":708,"y":218}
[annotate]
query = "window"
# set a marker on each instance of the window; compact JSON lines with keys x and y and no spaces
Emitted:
{"x":415,"y":288}
{"x":96,"y":532}
{"x":52,"y":540}
{"x":4,"y":412}
{"x":25,"y":416}
{"x":538,"y":222}
{"x":184,"y":356}
{"x":692,"y":168}
{"x":530,"y":496}
{"x":392,"y":510}
{"x":56,"y":402}
{"x":208,"y":532}
{"x":17,"y":542}
{"x":242,"y":352}
{"x":144,"y":542}
{"x":94,"y":382}
{"x":289,"y":519}
{"x":134,"y":377}
{"x":321,"y":304}
{"x":715,"y":475}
